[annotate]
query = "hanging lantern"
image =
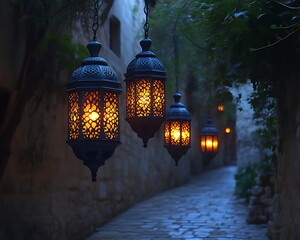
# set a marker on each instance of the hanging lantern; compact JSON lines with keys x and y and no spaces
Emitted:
{"x":145,"y":90}
{"x":220,"y":108}
{"x":177,"y":129}
{"x":93,"y":116}
{"x":209,"y":139}
{"x":227,"y":130}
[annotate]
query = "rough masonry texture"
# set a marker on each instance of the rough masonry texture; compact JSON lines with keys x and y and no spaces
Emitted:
{"x":248,"y":147}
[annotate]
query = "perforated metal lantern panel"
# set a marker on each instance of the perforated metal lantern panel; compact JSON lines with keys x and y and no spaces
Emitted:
{"x":145,"y":93}
{"x":177,"y":129}
{"x":93,"y":116}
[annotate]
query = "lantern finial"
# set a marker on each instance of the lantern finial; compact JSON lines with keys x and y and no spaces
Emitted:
{"x":177,"y":97}
{"x":146,"y":44}
{"x":94,"y":48}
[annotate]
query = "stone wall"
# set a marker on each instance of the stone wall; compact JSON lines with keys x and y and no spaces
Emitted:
{"x":247,"y":144}
{"x":47,"y":193}
{"x":260,"y":204}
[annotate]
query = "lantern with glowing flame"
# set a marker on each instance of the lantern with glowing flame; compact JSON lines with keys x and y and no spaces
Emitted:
{"x":145,"y":89}
{"x":209,"y":140}
{"x":227,"y":130}
{"x":145,"y":93}
{"x":177,"y":129}
{"x":93,"y":122}
{"x":220,"y":108}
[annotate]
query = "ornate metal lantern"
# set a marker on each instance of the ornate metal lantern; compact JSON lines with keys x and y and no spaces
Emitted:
{"x":177,"y":129}
{"x":145,"y":90}
{"x":93,"y":116}
{"x":209,"y":139}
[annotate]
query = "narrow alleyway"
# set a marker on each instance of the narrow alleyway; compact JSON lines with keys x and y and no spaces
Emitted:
{"x":203,"y":209}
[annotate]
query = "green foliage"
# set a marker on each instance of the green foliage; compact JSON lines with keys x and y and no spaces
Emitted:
{"x":245,"y":180}
{"x":224,"y":42}
{"x":47,"y":27}
{"x":266,"y":119}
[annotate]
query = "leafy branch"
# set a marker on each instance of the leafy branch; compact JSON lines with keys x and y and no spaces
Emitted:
{"x":287,"y":6}
{"x":279,"y":39}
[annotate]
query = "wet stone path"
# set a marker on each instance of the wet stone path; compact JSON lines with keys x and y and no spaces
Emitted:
{"x":205,"y":208}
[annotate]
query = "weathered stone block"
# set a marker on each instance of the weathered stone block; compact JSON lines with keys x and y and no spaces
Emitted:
{"x":253,"y":200}
{"x":266,"y":200}
{"x":257,"y":191}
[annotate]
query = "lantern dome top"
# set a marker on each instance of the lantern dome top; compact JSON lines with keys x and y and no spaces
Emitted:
{"x":177,"y":110}
{"x":209,"y":128}
{"x":145,"y":63}
{"x":94,"y":70}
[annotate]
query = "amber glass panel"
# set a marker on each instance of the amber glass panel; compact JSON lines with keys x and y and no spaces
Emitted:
{"x":220,"y":108}
{"x":185,"y":134}
{"x":111,"y":116}
{"x":175,"y":133}
{"x":73,"y":115}
{"x":143,"y":98}
{"x":158,"y":98}
{"x":202,"y":143}
{"x":209,"y":143}
{"x":215,"y":143}
{"x":91,"y":118}
{"x":167,"y":133}
{"x":130,"y":99}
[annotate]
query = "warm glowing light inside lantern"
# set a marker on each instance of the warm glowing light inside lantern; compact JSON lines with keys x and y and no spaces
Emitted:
{"x":143,"y":98}
{"x":215,"y":144}
{"x":93,"y":116}
{"x":209,"y":143}
{"x":175,"y":133}
{"x":73,"y":115}
{"x":158,"y":98}
{"x":185,"y":135}
{"x":227,"y":130}
{"x":111,"y":116}
{"x":220,"y":108}
{"x":202,"y":143}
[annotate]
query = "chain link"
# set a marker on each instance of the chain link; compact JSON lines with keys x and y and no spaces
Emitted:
{"x":176,"y":61}
{"x":146,"y":11}
{"x":95,"y":25}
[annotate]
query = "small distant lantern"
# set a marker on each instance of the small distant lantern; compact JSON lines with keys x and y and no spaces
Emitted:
{"x":209,"y":139}
{"x":177,"y":129}
{"x":227,"y":130}
{"x":145,"y":90}
{"x":220,"y":108}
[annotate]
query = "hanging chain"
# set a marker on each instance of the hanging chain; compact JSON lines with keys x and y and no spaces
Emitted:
{"x":176,"y":62}
{"x":95,"y":25}
{"x":146,"y":11}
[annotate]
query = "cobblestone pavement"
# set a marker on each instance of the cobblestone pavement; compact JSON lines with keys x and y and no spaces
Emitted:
{"x":203,"y":209}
